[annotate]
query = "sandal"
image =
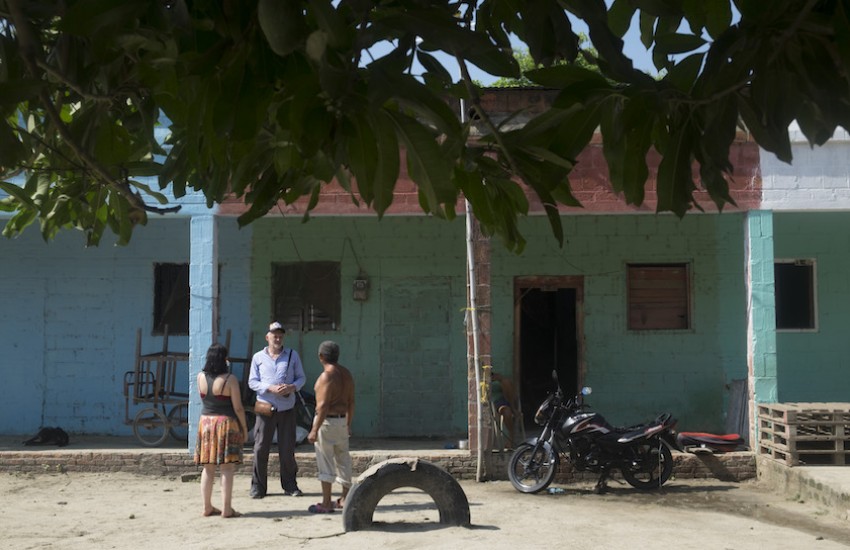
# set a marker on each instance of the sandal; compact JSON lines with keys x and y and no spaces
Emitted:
{"x":214,"y":512}
{"x":339,"y":504}
{"x":319,"y":509}
{"x":233,"y":514}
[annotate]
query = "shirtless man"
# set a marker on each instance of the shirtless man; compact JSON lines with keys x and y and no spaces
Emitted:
{"x":332,"y":427}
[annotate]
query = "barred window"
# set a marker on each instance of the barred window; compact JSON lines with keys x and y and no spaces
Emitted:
{"x":306,"y":295}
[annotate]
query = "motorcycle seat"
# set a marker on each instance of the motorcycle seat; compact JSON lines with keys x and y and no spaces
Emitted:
{"x":715,"y":442}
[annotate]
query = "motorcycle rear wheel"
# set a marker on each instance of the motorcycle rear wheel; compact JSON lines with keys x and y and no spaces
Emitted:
{"x":653,"y":464}
{"x":530,"y":471}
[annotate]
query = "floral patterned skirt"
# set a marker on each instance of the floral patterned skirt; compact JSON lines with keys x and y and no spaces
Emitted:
{"x":219,"y":440}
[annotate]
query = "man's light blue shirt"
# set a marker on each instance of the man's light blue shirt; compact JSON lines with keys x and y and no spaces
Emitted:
{"x":265,"y":372}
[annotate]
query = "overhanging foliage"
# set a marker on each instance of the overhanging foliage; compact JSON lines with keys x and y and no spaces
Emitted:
{"x":267,"y":100}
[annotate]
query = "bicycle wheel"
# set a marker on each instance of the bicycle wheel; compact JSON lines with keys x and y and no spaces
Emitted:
{"x":150,"y":427}
{"x":304,"y":413}
{"x":178,"y":422}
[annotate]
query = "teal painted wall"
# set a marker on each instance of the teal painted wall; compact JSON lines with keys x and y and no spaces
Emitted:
{"x":814,"y":366}
{"x":636,"y":375}
{"x":406,"y":344}
{"x":69,"y":321}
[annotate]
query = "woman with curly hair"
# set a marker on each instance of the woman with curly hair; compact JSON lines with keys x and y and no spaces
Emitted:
{"x":222,"y":430}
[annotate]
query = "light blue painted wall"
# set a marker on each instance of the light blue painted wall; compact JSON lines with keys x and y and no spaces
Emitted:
{"x":395,"y":253}
{"x":761,"y":329}
{"x":636,"y":375}
{"x":234,"y":256}
{"x":814,"y":366}
{"x":70,"y":315}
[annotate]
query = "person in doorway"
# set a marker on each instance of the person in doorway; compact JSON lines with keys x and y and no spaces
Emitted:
{"x":276,"y":375}
{"x":503,"y":395}
{"x":332,"y":427}
{"x":222,"y":429}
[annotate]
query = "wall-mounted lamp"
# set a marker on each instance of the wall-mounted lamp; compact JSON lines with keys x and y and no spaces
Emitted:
{"x":361,"y":288}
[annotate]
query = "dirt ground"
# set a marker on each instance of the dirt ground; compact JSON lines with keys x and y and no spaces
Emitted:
{"x":129,"y":511}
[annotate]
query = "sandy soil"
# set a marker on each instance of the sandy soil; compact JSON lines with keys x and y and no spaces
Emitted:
{"x":129,"y":511}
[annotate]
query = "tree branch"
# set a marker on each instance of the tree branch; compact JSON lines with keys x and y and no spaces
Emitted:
{"x":30,"y":50}
{"x":475,"y":99}
{"x":50,"y":71}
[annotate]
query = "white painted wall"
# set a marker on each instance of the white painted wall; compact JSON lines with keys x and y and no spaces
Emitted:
{"x":817,"y":179}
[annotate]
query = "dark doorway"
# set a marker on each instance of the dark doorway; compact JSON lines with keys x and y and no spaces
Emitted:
{"x":547,"y":339}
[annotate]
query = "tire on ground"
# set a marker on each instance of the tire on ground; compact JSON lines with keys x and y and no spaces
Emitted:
{"x":381,"y":479}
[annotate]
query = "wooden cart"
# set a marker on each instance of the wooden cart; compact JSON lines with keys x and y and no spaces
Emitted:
{"x":151,"y":389}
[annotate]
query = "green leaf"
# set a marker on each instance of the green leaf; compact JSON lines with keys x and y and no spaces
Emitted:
{"x":121,"y":216}
{"x":18,"y":193}
{"x":714,"y":181}
{"x":282,"y":23}
{"x":613,"y":141}
{"x":683,"y":75}
{"x":337,"y":29}
{"x":17,"y":91}
{"x":361,"y":145}
{"x":143,"y":168}
{"x":620,"y":16}
{"x":317,"y":45}
{"x":425,"y":163}
{"x":416,"y":97}
{"x":675,"y":184}
{"x":769,"y":133}
{"x":12,"y":151}
{"x":157,"y":196}
{"x":675,"y":43}
{"x":841,"y":27}
{"x":439,"y":29}
{"x":386,"y":174}
{"x":719,"y":121}
{"x":647,"y":29}
{"x":92,"y":17}
{"x":549,"y":34}
{"x":431,"y":65}
{"x":562,"y":76}
{"x":718,"y":17}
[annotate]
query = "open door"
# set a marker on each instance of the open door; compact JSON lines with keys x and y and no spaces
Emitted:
{"x":547,"y":337}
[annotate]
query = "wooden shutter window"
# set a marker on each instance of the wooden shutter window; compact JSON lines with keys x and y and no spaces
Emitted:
{"x":658,"y":297}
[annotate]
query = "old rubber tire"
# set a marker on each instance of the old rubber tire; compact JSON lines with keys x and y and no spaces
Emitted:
{"x":389,"y":475}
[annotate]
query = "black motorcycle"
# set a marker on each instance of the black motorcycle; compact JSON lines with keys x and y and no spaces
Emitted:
{"x":641,"y":453}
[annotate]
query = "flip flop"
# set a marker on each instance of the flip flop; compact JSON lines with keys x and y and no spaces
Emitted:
{"x":318,"y":508}
{"x":338,"y":504}
{"x":214,"y":512}
{"x":233,"y":514}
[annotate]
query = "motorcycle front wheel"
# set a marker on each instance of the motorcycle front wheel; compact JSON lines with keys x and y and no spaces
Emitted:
{"x":532,"y":471}
{"x":652,"y":464}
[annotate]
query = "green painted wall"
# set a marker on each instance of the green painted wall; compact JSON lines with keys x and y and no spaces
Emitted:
{"x":406,"y":344}
{"x":814,"y":366}
{"x":636,"y":375}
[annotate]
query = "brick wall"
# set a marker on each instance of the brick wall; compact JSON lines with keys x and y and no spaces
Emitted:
{"x":461,"y":464}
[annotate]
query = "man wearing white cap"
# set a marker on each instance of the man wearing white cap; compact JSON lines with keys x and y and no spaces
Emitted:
{"x":276,"y":375}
